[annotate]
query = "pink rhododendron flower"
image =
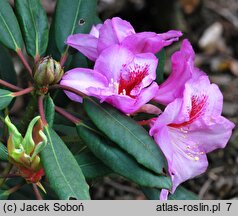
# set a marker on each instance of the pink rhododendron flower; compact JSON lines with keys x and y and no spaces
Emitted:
{"x":120,"y":77}
{"x":183,"y":69}
{"x":190,"y":127}
{"x":118,"y":31}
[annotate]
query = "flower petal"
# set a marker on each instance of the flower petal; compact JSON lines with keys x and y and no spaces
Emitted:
{"x":185,"y":158}
{"x":150,"y":109}
{"x":113,"y":32}
{"x":130,"y":105}
{"x":199,"y":87}
{"x":84,"y":43}
{"x":190,"y":127}
{"x":95,"y":30}
{"x":146,"y":95}
{"x":150,"y":41}
{"x":143,"y":61}
{"x":111,"y":61}
{"x":170,"y":36}
{"x":189,"y":159}
{"x":212,"y":133}
{"x":170,"y":115}
{"x":81,"y":79}
{"x":182,"y":70}
{"x":164,"y":194}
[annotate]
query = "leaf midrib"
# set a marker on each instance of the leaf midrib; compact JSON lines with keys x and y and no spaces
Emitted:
{"x":147,"y":149}
{"x":74,"y":23}
{"x":35,"y":26}
{"x":57,"y":162}
{"x":6,"y":95}
{"x":15,"y":43}
{"x":89,"y":164}
{"x":127,"y":169}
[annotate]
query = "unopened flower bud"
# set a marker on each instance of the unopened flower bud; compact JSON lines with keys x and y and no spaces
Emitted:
{"x":47,"y":72}
{"x":24,"y":152}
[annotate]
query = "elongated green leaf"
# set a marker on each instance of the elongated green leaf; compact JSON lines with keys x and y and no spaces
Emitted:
{"x":62,"y":170}
{"x":160,"y":68}
{"x":7,"y":71}
{"x":49,"y":109}
{"x":4,"y":194}
{"x":121,"y":162}
{"x":65,"y":129}
{"x":70,"y":137}
{"x":75,"y":16}
{"x":10,"y":33}
{"x":125,"y":132}
{"x":79,"y":60}
{"x":91,"y":166}
{"x":34,"y":25}
{"x":52,"y":49}
{"x":180,"y":194}
{"x":5,"y":98}
{"x":3,"y":152}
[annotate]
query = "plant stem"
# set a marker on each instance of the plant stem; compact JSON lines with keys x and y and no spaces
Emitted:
{"x":23,"y":92}
{"x":9,"y":176}
{"x":37,"y":58}
{"x":29,"y":114}
{"x":67,"y":115}
{"x":64,"y":57}
{"x":9,"y":85}
{"x":68,"y":88}
{"x":5,"y":172}
{"x":24,"y":61}
{"x":36,"y":192}
{"x":15,"y":188}
{"x":41,"y":109}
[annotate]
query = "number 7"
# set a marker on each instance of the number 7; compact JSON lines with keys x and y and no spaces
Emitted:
{"x":229,"y":205}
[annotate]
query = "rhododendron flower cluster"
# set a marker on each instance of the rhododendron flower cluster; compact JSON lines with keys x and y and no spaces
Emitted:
{"x":125,"y":67}
{"x":124,"y":75}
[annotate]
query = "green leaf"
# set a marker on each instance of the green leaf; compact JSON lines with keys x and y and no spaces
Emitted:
{"x":160,"y":68}
{"x":62,"y":170}
{"x":7,"y":71}
{"x":34,"y":24}
{"x":10,"y":33}
{"x":180,"y":194}
{"x":70,"y":137}
{"x":121,"y":162}
{"x":66,"y":129}
{"x":3,"y":152}
{"x":5,"y":98}
{"x":4,"y":194}
{"x":91,"y":166}
{"x":75,"y":16}
{"x":129,"y":135}
{"x":79,"y":60}
{"x":49,"y":109}
{"x":52,"y":49}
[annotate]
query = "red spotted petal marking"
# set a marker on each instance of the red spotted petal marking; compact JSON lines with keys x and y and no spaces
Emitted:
{"x":131,"y":77}
{"x":197,"y":110}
